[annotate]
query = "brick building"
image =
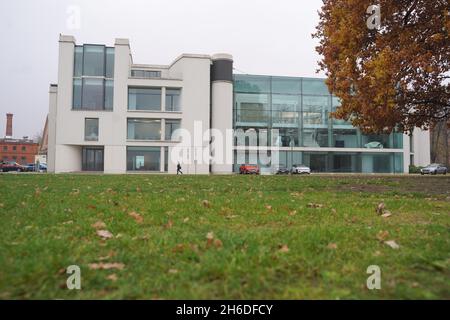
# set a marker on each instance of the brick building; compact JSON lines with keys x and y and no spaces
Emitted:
{"x":21,"y":150}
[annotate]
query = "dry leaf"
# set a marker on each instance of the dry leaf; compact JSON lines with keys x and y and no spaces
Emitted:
{"x":382,"y":235}
{"x":387,"y":214}
{"x":392,"y":244}
{"x":169,"y":224}
{"x":173,"y":271}
{"x":185,"y":220}
{"x":218,"y":243}
{"x":332,"y":246}
{"x":315,"y":205}
{"x":333,"y":211}
{"x":210,"y":235}
{"x":112,"y":277}
{"x":283,"y":248}
{"x":206,"y":204}
{"x":106,"y":266}
{"x":380,"y":208}
{"x":105,"y":234}
{"x":98,"y":225}
{"x":68,"y":222}
{"x":136,"y":216}
{"x":293,"y":212}
{"x":268,"y":207}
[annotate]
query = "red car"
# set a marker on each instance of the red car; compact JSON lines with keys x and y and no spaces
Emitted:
{"x":11,"y":166}
{"x":249,"y":169}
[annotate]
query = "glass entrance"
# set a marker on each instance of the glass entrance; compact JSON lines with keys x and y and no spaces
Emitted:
{"x":92,"y":159}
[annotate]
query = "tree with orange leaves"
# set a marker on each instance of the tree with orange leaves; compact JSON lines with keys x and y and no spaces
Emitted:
{"x":395,"y":76}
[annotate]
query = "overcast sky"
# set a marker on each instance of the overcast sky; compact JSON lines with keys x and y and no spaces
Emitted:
{"x":264,"y":37}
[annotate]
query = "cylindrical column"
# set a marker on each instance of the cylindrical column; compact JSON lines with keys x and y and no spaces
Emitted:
{"x":222,"y":113}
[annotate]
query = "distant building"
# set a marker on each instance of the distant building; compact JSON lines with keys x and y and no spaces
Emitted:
{"x":21,"y":150}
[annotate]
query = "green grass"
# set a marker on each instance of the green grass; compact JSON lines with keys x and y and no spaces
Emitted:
{"x":46,"y":225}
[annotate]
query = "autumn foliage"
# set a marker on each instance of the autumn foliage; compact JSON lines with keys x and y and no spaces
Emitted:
{"x":394,"y":76}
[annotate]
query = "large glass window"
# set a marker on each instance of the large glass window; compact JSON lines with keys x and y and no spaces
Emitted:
{"x":92,"y":159}
{"x":345,"y":138}
{"x":143,"y":158}
{"x":173,"y":102}
{"x":285,"y":110}
{"x":77,"y":93}
{"x":144,"y":129}
{"x":109,"y":94}
{"x":171,"y":126}
{"x":144,"y":99}
{"x":92,"y":97}
{"x":255,"y":84}
{"x":315,"y":137}
{"x":91,"y":129}
{"x":94,"y":60}
{"x":78,"y":64}
{"x":109,"y":63}
{"x":252,"y":109}
{"x":314,"y":86}
{"x":286,"y":85}
{"x":315,"y":110}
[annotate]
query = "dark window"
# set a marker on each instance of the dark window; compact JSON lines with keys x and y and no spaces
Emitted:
{"x":144,"y":129}
{"x":14,"y":148}
{"x":92,"y":159}
{"x":173,"y":100}
{"x":144,"y":158}
{"x":145,"y":74}
{"x":78,"y":64}
{"x":91,"y":129}
{"x":24,"y":148}
{"x":109,"y":63}
{"x":171,"y":126}
{"x":92,"y":94}
{"x":144,"y":99}
{"x":5,"y":148}
{"x":77,"y":92}
{"x":109,"y":94}
{"x":94,"y":61}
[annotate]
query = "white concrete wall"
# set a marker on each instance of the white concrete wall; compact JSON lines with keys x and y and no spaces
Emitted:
{"x":421,"y":140}
{"x":51,"y":143}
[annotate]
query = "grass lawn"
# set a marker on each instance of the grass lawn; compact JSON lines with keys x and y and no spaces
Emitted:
{"x":227,"y":237}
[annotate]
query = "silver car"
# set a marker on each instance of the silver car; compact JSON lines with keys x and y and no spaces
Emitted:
{"x":434,"y":168}
{"x":301,"y":169}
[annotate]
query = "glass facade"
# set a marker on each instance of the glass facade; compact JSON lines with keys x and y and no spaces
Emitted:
{"x":171,"y":126}
{"x":299,"y":108}
{"x":93,"y":84}
{"x":173,"y":99}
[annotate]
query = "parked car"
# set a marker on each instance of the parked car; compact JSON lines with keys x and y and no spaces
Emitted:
{"x":11,"y":166}
{"x":281,"y":170}
{"x":434,"y":168}
{"x":374,"y":145}
{"x":300,"y":169}
{"x":249,"y":169}
{"x":32,"y":167}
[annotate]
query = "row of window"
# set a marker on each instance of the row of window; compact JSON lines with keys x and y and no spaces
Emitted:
{"x":137,"y":129}
{"x":14,"y":158}
{"x":147,"y":74}
{"x":138,"y":158}
{"x":14,"y":148}
{"x":97,"y":94}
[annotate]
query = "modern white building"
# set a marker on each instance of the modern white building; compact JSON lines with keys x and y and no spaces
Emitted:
{"x":109,"y":114}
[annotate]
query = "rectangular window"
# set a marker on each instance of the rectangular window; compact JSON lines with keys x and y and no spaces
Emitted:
{"x":23,"y":159}
{"x":143,"y":129}
{"x":24,"y":148}
{"x":252,"y":109}
{"x":78,"y":64}
{"x":92,"y":159}
{"x":5,"y":148}
{"x":92,"y":94}
{"x":171,"y":126}
{"x":315,"y":110}
{"x":173,"y":99}
{"x":144,"y":99}
{"x":77,"y":93}
{"x":109,"y":63}
{"x":166,"y":159}
{"x":91,"y":129}
{"x":14,"y":148}
{"x":143,"y":158}
{"x":94,"y":60}
{"x":109,"y":94}
{"x":145,"y":74}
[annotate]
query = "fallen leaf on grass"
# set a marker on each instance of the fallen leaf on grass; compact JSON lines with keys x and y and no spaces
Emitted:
{"x":169,"y":224}
{"x":173,"y":271}
{"x":283,"y":248}
{"x":380,"y":208}
{"x":392,"y":244}
{"x":387,"y":214}
{"x":382,"y":235}
{"x":98,"y":225}
{"x":268,"y":207}
{"x":315,"y":205}
{"x":332,"y":246}
{"x":106,"y":266}
{"x":206,"y":204}
{"x":136,"y":216}
{"x":68,"y":222}
{"x":292,"y":213}
{"x":112,"y":277}
{"x":105,"y":234}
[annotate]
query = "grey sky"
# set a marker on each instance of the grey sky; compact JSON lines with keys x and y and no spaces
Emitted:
{"x":264,"y":37}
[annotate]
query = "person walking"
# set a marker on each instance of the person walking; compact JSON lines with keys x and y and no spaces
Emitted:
{"x":179,"y":169}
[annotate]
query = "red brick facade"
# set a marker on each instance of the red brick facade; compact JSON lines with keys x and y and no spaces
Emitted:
{"x":20,"y":151}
